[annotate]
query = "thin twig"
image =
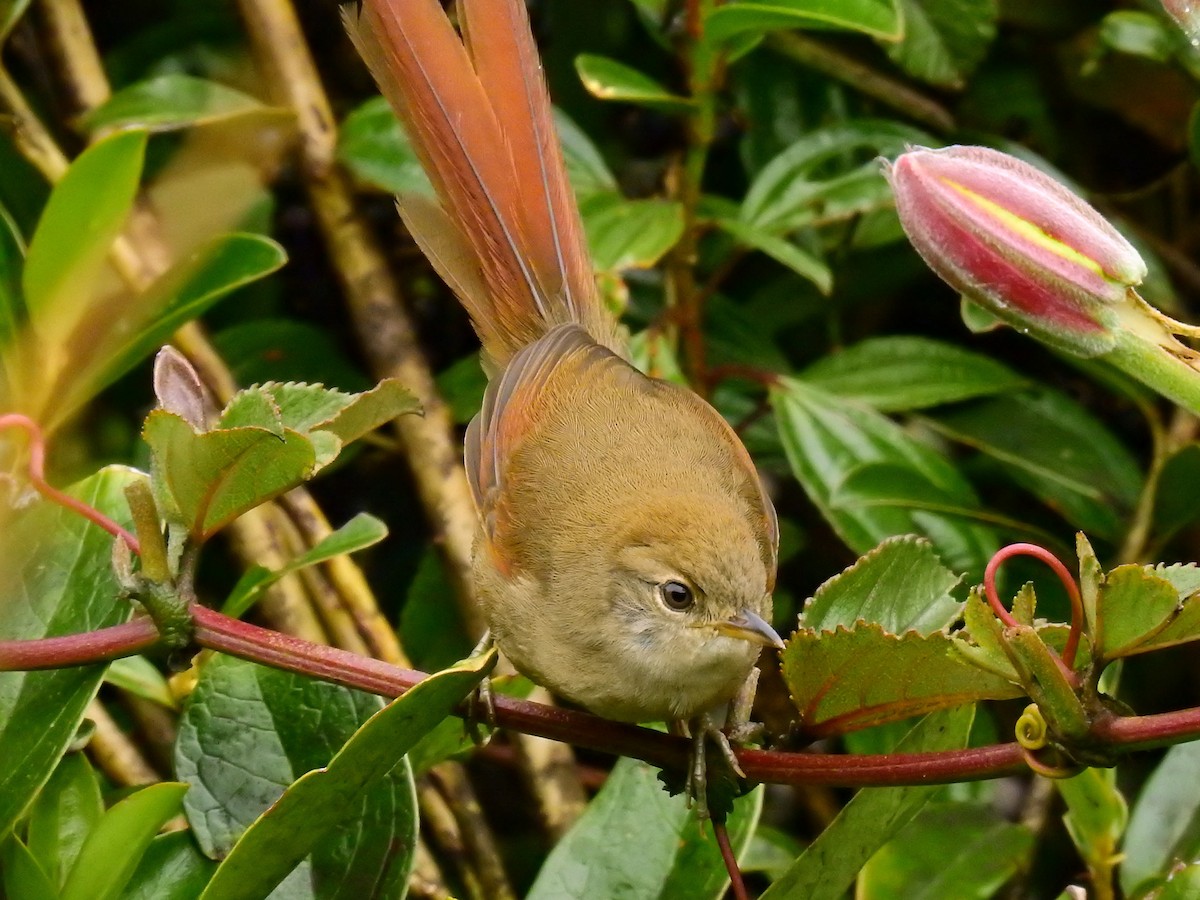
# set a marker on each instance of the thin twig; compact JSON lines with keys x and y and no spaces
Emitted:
{"x":885,"y":89}
{"x":116,"y":755}
{"x":388,"y":336}
{"x":439,"y":819}
{"x":476,"y":833}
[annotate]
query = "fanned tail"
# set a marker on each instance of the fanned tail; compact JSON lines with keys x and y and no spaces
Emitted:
{"x":507,"y":237}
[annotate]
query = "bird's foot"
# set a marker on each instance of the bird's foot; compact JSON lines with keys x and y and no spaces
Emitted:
{"x":481,"y":702}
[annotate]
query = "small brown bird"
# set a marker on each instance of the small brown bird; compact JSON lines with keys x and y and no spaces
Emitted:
{"x":626,"y":549}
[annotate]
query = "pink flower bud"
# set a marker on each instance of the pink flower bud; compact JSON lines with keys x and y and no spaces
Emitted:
{"x":1017,"y":242}
{"x":1187,"y":14}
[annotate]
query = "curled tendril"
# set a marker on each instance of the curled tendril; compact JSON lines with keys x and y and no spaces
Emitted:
{"x":1049,"y":770}
{"x":1064,"y":575}
{"x":1032,"y":731}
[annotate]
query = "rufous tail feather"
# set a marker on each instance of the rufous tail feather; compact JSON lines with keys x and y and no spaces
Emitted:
{"x":508,"y":238}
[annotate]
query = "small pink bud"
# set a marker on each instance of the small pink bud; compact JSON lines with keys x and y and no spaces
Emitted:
{"x":1186,"y":14}
{"x":1017,"y":242}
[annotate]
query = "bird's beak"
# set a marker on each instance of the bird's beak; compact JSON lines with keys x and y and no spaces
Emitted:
{"x":750,"y":626}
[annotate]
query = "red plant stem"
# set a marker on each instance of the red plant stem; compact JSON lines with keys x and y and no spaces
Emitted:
{"x":79,"y":649}
{"x":217,"y":632}
{"x":1064,"y":575}
{"x":731,"y":863}
{"x":37,"y":477}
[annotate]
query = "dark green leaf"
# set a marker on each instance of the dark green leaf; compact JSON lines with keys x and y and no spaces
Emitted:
{"x":629,"y":234}
{"x":951,"y":851}
{"x":286,"y":350}
{"x":783,"y":251}
{"x":1056,"y":449}
{"x":944,"y":40}
{"x":85,"y":213}
{"x":323,"y":802}
{"x":830,"y":864}
{"x":855,"y":677}
{"x":828,"y":175}
{"x":172,"y":868}
{"x":901,"y":586}
{"x":66,"y":810}
{"x":173,"y":101}
{"x":1181,"y":884}
{"x":58,"y":580}
{"x":608,"y":79}
{"x":901,"y":373}
{"x":634,"y":840}
{"x":360,"y":532}
{"x":113,"y":848}
{"x":826,"y":438}
{"x":586,"y":169}
{"x":462,"y":385}
{"x":1177,"y":500}
{"x":1164,"y":828}
{"x":877,"y":18}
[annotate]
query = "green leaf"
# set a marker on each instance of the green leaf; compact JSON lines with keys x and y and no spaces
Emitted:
{"x":1177,"y":498}
{"x":360,"y":532}
{"x":951,"y":851}
{"x":20,"y":874}
{"x":58,"y":580}
{"x":1054,"y":448}
{"x":84,"y":215}
{"x":586,"y":169}
{"x":1138,"y":34}
{"x":629,"y":234}
{"x":274,"y":349}
{"x":208,"y":480}
{"x":829,"y":175}
{"x":1096,"y":816}
{"x":66,"y":810}
{"x":112,"y":850}
{"x":608,"y":79}
{"x":108,"y":344}
{"x":247,"y":733}
{"x":138,"y":676}
{"x":855,"y":677}
{"x":826,"y":438}
{"x":12,"y":301}
{"x":172,"y":868}
{"x":902,"y":373}
{"x":171,"y":102}
{"x":634,"y":840}
{"x":1164,"y":829}
{"x":872,"y":818}
{"x":944,"y":40}
{"x":901,"y":586}
{"x":1134,"y":606}
{"x":374,"y":147}
{"x":1181,"y":884}
{"x":783,"y":251}
{"x":877,"y":18}
{"x":10,"y":13}
{"x":322,"y":802}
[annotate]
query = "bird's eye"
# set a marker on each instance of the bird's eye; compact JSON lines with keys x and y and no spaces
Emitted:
{"x":676,"y":594}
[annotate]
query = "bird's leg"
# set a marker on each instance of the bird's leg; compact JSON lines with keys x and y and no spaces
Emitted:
{"x":703,"y":728}
{"x":481,"y":704}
